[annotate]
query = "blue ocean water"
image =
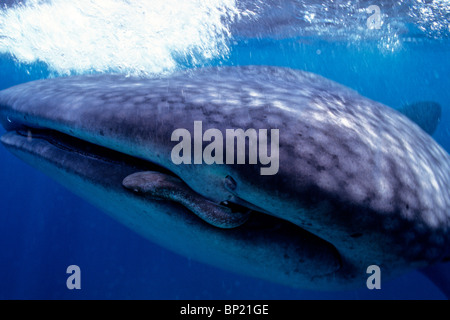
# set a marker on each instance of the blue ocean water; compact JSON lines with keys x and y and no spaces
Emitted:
{"x":44,"y":228}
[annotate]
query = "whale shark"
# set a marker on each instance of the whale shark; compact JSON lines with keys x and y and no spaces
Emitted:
{"x":358,"y":183}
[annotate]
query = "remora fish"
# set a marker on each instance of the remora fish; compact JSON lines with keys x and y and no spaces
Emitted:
{"x":358,"y":183}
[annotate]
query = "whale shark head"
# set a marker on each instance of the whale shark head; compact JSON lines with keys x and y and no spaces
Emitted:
{"x":273,"y":172}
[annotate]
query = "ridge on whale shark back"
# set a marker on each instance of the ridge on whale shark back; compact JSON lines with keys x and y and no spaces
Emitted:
{"x":358,"y":182}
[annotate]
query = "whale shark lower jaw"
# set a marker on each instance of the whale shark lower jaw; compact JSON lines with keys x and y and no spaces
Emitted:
{"x":356,"y":183}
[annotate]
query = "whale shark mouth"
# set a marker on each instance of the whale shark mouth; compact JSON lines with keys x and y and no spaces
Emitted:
{"x":86,"y":149}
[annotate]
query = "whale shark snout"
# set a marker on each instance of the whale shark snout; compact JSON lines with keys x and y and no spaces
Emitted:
{"x":357,"y":184}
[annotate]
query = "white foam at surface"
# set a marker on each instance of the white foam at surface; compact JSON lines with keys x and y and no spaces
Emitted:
{"x":136,"y":37}
{"x":155,"y":36}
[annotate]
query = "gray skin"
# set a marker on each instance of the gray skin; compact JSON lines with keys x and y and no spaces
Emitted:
{"x":358,"y":182}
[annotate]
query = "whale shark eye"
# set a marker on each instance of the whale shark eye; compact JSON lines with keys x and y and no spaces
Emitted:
{"x":230,"y":183}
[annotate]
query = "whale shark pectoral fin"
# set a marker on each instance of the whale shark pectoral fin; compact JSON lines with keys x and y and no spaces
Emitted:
{"x":161,"y":186}
{"x":426,"y":114}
